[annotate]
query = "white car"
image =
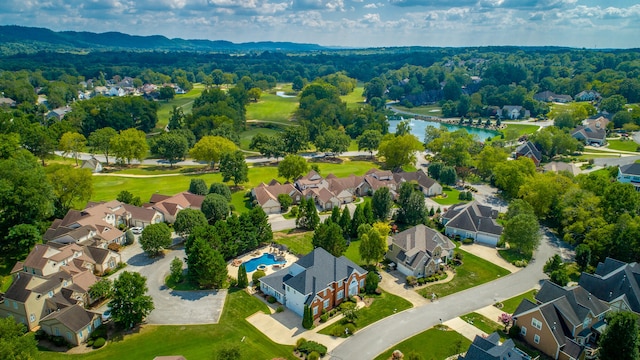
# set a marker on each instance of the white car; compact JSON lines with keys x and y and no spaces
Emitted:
{"x":137,"y":230}
{"x":106,"y":316}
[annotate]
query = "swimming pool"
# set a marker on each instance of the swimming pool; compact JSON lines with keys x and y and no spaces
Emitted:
{"x":265,"y":259}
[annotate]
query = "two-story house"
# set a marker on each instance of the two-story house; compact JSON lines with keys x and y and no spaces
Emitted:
{"x":473,"y":220}
{"x":630,"y":174}
{"x":419,"y":251}
{"x":318,"y":280}
{"x":563,"y":323}
{"x":616,"y":283}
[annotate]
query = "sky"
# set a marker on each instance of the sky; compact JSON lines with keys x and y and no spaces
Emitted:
{"x":348,"y":23}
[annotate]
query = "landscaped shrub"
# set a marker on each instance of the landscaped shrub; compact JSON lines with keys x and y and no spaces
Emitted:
{"x":520,"y":263}
{"x":41,"y":335}
{"x":99,"y":332}
{"x":343,"y":329}
{"x":313,"y":356}
{"x":411,"y":280}
{"x":271,"y":299}
{"x":299,"y":343}
{"x":309,"y":346}
{"x":324,"y":317}
{"x":421,"y":281}
{"x":467,"y":241}
{"x":458,"y":255}
{"x":257,"y":275}
{"x":279,"y":309}
{"x":58,"y":341}
{"x":98,"y":343}
{"x":90,"y":342}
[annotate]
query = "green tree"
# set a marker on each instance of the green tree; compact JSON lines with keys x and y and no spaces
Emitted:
{"x":220,"y":189}
{"x":129,"y":304}
{"x":229,"y":352}
{"x":511,"y":175}
{"x":583,"y":256}
{"x":308,"y":217}
{"x":369,"y":141}
{"x":613,"y":104}
{"x":129,"y":144}
{"x":166,"y":93}
{"x":155,"y":238}
{"x":453,"y":148}
{"x":522,"y":232}
{"x":198,"y":186}
{"x":187,"y":220}
{"x":368,"y":213}
{"x":176,"y":118}
{"x":206,"y":265}
{"x":372,"y":246}
{"x":72,"y":143}
{"x":345,"y":223}
{"x":70,"y":186}
{"x":434,"y":169}
{"x":267,"y":146}
{"x":101,"y":289}
{"x":488,"y":158}
{"x":412,"y":209}
{"x":307,"y":318}
{"x":381,"y":203}
{"x":294,"y":139}
{"x":371,"y":282}
{"x":543,"y":191}
{"x":100,"y":140}
{"x":448,"y":175}
{"x":357,"y":219}
{"x":39,"y":141}
{"x":215,"y":207}
{"x":329,"y":237}
{"x":560,"y":277}
{"x":211,"y":148}
{"x":126,"y":197}
{"x":243,"y":281}
{"x":335,"y":215}
{"x":620,"y":340}
{"x":234,"y":167}
{"x":21,"y":239}
{"x":554,"y":263}
{"x":292,"y":167}
{"x":620,"y":198}
{"x":170,"y":146}
{"x":399,"y":151}
{"x":16,"y":342}
{"x":175,"y":270}
{"x":332,"y":141}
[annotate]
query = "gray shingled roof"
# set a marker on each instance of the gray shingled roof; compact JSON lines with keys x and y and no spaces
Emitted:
{"x":473,"y":217}
{"x":528,"y":148}
{"x":614,"y":279}
{"x":18,"y":289}
{"x":630,"y":169}
{"x":74,"y":317}
{"x":489,"y":348}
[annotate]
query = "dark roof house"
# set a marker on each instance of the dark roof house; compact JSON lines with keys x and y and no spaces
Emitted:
{"x":528,"y":149}
{"x":616,"y":283}
{"x":472,"y":220}
{"x":489,"y":348}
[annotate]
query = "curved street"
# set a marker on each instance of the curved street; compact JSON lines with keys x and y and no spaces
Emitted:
{"x":378,"y":337}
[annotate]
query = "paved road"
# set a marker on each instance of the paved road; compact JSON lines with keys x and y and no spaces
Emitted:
{"x":374,"y":339}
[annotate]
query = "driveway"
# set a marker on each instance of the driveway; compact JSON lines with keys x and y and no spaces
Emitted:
{"x":172,"y":307}
{"x":376,"y":338}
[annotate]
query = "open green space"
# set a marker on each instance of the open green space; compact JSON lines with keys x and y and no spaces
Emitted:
{"x":384,"y":305}
{"x":161,"y":170}
{"x":483,"y":323}
{"x":622,"y":145}
{"x":196,"y":341}
{"x":523,"y":129}
{"x":450,"y":199}
{"x":437,"y":343}
{"x":298,"y":242}
{"x":353,"y":253}
{"x":427,"y":110}
{"x":510,"y":305}
{"x":512,"y":255}
{"x":273,"y":108}
{"x":473,"y":272}
{"x":185,"y":101}
{"x":355,"y":98}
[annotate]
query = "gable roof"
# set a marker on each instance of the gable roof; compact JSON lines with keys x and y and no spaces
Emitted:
{"x":473,"y":217}
{"x":630,"y":169}
{"x":489,"y":348}
{"x":73,"y":317}
{"x":172,"y":204}
{"x":614,"y":279}
{"x":529,"y":149}
{"x":419,"y":241}
{"x":589,"y":133}
{"x":418,"y":176}
{"x":557,"y":166}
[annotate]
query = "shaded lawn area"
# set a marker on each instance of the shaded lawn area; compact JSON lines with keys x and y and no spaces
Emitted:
{"x":185,"y":101}
{"x":353,"y":253}
{"x":197,"y":341}
{"x":512,"y":255}
{"x":510,"y":305}
{"x":624,"y":145}
{"x":298,"y":242}
{"x":384,"y":305}
{"x":431,"y":344}
{"x":452,"y":197}
{"x":160,"y":169}
{"x":429,"y":110}
{"x":6,"y":264}
{"x":246,"y":136}
{"x":272,"y":107}
{"x":473,"y":272}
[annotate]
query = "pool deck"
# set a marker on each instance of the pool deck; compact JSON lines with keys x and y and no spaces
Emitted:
{"x":289,"y":258}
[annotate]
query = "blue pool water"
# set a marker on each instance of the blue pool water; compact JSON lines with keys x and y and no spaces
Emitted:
{"x":265,"y":259}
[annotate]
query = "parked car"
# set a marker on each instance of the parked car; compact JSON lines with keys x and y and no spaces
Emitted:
{"x":137,"y":230}
{"x":106,"y":316}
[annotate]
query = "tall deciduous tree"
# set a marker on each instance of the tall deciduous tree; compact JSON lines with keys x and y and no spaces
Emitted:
{"x":292,"y":167}
{"x":155,"y":238}
{"x":170,"y":146}
{"x":206,"y":265}
{"x":187,"y":220}
{"x":211,"y":148}
{"x":102,"y":289}
{"x":21,"y":238}
{"x":129,"y":303}
{"x":39,"y":141}
{"x":294,"y":139}
{"x":332,"y":141}
{"x":100,"y":140}
{"x":215,"y":207}
{"x":399,"y":151}
{"x":234,"y":167}
{"x":369,"y":141}
{"x":372,"y":246}
{"x":329,"y":237}
{"x":412,"y":209}
{"x":70,"y":185}
{"x":129,"y":144}
{"x":72,"y":143}
{"x":620,"y":340}
{"x":511,"y":175}
{"x":381,"y":203}
{"x":522,"y":232}
{"x":16,"y":342}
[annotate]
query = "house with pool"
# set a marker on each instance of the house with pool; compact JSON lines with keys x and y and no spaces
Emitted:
{"x":318,"y":280}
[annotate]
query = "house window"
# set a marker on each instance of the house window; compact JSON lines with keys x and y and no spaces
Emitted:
{"x":15,"y":305}
{"x":586,"y":322}
{"x":536,"y":339}
{"x":315,"y":310}
{"x":325,"y":305}
{"x":6,"y":303}
{"x":50,"y":294}
{"x":69,"y":336}
{"x":32,"y":317}
{"x":340,"y":294}
{"x":56,"y":331}
{"x":536,"y":323}
{"x":80,"y":334}
{"x":523,"y":331}
{"x":362,"y":283}
{"x":89,"y":328}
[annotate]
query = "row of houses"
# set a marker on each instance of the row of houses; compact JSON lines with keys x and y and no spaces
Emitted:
{"x":332,"y":191}
{"x":567,"y":322}
{"x":550,"y":96}
{"x":50,"y":290}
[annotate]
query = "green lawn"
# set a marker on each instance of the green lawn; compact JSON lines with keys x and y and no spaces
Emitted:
{"x":297,"y":242}
{"x":512,"y":255}
{"x":522,"y":128}
{"x":246,"y":136}
{"x":272,"y":107}
{"x":452,"y":197}
{"x":428,"y":110}
{"x":623,"y":145}
{"x":431,"y":344}
{"x":353,"y":252}
{"x":384,"y":305}
{"x":197,"y":341}
{"x":510,"y":305}
{"x":483,"y":323}
{"x":355,"y":98}
{"x":473,"y":272}
{"x":185,"y":101}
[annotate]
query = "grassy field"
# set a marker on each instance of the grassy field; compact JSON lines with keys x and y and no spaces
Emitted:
{"x":623,"y":145}
{"x":297,"y":242}
{"x":355,"y":98}
{"x":510,"y":305}
{"x":353,"y":253}
{"x":273,"y":108}
{"x":512,"y":255}
{"x":483,"y":323}
{"x":429,"y":110}
{"x":433,"y":344}
{"x":197,"y":341}
{"x":452,"y":197}
{"x":384,"y":305}
{"x":185,"y":101}
{"x":522,"y":128}
{"x":473,"y":272}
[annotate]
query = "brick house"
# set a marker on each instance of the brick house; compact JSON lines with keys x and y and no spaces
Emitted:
{"x":318,"y":280}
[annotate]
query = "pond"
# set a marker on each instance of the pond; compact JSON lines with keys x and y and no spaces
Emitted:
{"x":418,"y":127}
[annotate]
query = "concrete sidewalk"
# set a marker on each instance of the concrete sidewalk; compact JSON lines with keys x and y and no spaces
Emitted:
{"x":490,"y":254}
{"x":464,"y":328}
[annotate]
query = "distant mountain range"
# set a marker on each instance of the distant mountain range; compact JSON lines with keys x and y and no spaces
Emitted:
{"x":20,"y":39}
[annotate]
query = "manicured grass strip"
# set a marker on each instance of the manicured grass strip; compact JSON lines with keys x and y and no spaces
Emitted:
{"x":431,"y":344}
{"x":522,"y":128}
{"x":452,"y":197}
{"x":623,"y":145}
{"x":185,"y":101}
{"x":483,"y":323}
{"x":355,"y":98}
{"x":510,"y":305}
{"x":272,"y":107}
{"x":353,"y":252}
{"x":384,"y":305}
{"x":197,"y":341}
{"x":473,"y":272}
{"x":297,"y":242}
{"x":512,"y":255}
{"x":429,"y":110}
